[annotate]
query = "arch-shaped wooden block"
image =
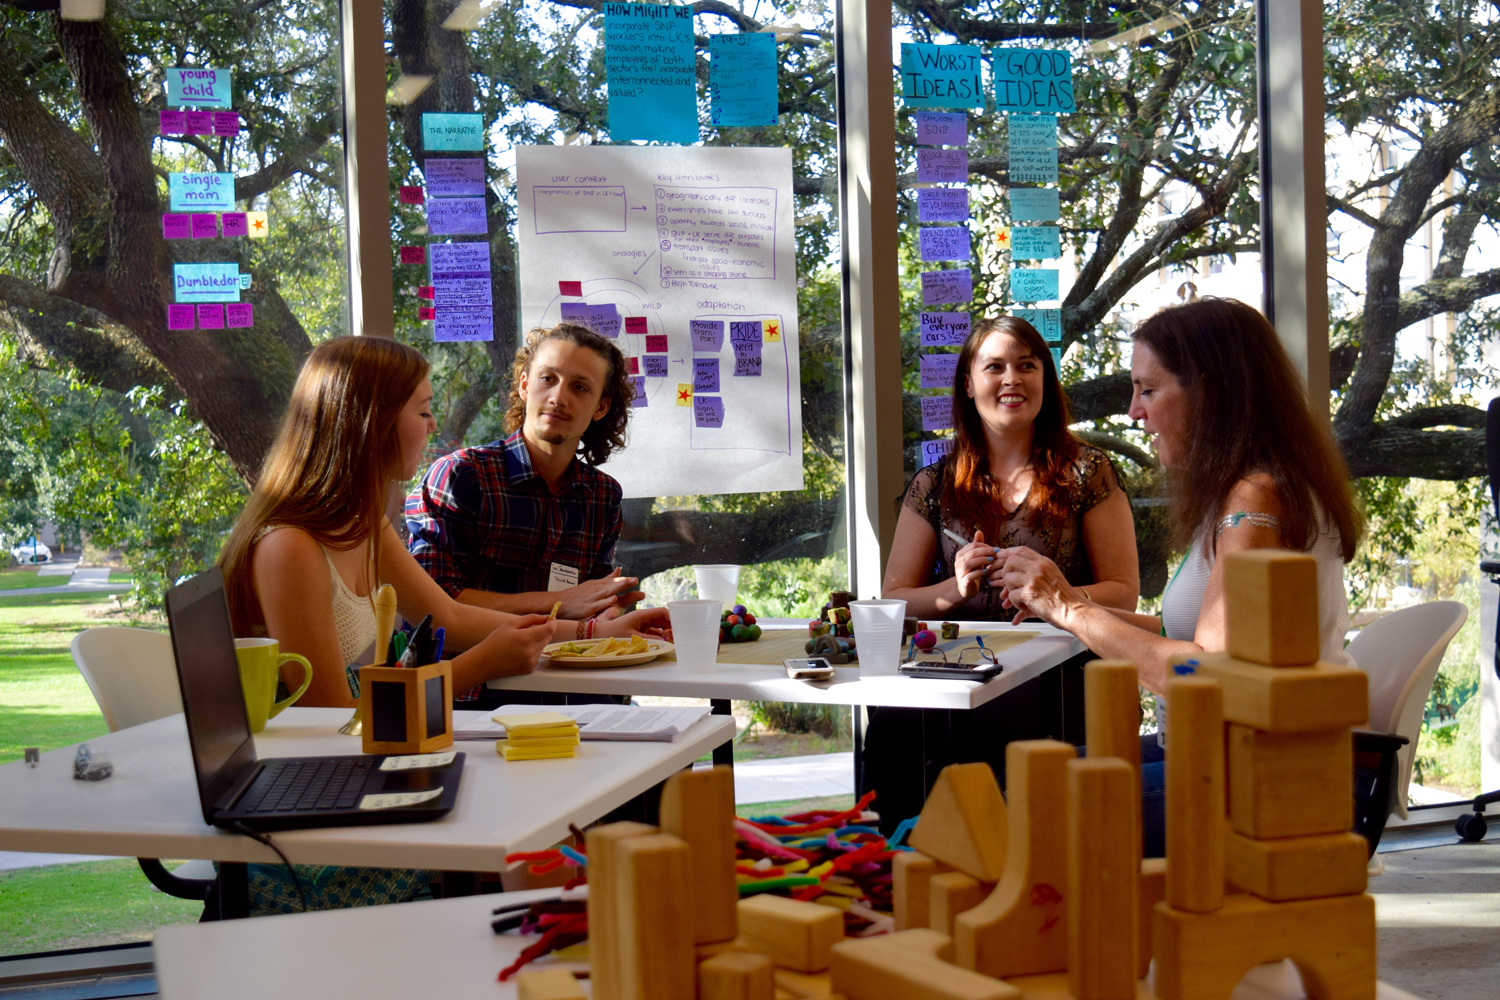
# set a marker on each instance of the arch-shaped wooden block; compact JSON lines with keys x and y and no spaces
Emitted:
{"x":963,"y":822}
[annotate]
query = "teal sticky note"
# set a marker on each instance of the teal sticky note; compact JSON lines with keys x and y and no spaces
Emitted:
{"x":1056,"y":353}
{"x":1035,"y":242}
{"x":942,"y":76}
{"x":1047,"y":322}
{"x":194,"y":192}
{"x":742,"y":79}
{"x":1033,"y":148}
{"x":1034,"y":205}
{"x":1033,"y":80}
{"x":649,"y":71}
{"x":207,"y":282}
{"x":1033,"y":284}
{"x":461,"y":133}
{"x":202,"y":88}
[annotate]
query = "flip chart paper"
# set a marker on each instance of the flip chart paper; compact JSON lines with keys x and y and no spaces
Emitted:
{"x":461,"y":133}
{"x":1033,"y":149}
{"x":235,"y":224}
{"x":937,"y":413}
{"x":700,"y":234}
{"x":605,"y":321}
{"x":1034,"y":204}
{"x":1033,"y":80}
{"x":239,"y":315}
{"x":943,"y":243}
{"x":211,"y":316}
{"x":937,"y":370}
{"x":708,"y":411}
{"x":570,"y":288}
{"x":409,"y":194}
{"x":939,"y":329}
{"x":742,"y":79}
{"x":173,"y":123}
{"x":635,"y":324}
{"x":655,"y":366}
{"x":199,"y":122}
{"x":933,"y":451}
{"x":205,"y":225}
{"x":638,"y":383}
{"x":208,"y":282}
{"x":203,"y":88}
{"x":942,"y":166}
{"x":1033,"y":284}
{"x":226,"y":123}
{"x":460,"y":178}
{"x":1048,"y":322}
{"x":942,"y":205}
{"x":413,"y":255}
{"x":705,"y":375}
{"x":201,"y":192}
{"x":180,"y":317}
{"x":1035,"y":242}
{"x":456,"y":217}
{"x":176,"y":227}
{"x":953,"y":285}
{"x":650,"y":74}
{"x":941,"y":76}
{"x":942,"y":128}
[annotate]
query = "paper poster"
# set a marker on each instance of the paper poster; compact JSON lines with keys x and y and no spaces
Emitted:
{"x":1033,"y":149}
{"x":1035,"y":242}
{"x":701,"y":242}
{"x":952,"y":285}
{"x":1034,"y":204}
{"x":940,"y":329}
{"x":454,"y":178}
{"x":742,"y":79}
{"x":937,"y":412}
{"x":235,"y":224}
{"x":208,"y":282}
{"x":457,"y":217}
{"x":1033,"y":284}
{"x":201,"y":192}
{"x":203,"y":88}
{"x":176,"y":227}
{"x":937,"y":370}
{"x":205,"y":225}
{"x":941,"y":76}
{"x":464,"y":313}
{"x":933,"y":451}
{"x":1033,"y":80}
{"x":651,"y":78}
{"x":942,"y":204}
{"x":239,"y":315}
{"x":943,"y":243}
{"x":1048,"y":322}
{"x":942,"y":166}
{"x":942,"y":128}
{"x":461,"y":133}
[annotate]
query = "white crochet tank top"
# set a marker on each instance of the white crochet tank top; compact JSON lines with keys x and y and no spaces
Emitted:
{"x":353,"y":616}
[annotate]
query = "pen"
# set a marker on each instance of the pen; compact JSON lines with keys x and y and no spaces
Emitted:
{"x":960,"y":539}
{"x":437,"y":643}
{"x":418,"y":644}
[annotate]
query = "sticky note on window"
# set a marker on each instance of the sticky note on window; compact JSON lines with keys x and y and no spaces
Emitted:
{"x":200,"y":122}
{"x":456,"y":132}
{"x":1032,"y":149}
{"x":203,"y":88}
{"x":1056,"y":353}
{"x":742,"y":79}
{"x":937,"y":413}
{"x":635,"y":324}
{"x":258,"y":225}
{"x":942,"y":205}
{"x":1034,"y":204}
{"x":457,"y":217}
{"x":942,"y":128}
{"x":426,"y":312}
{"x":684,"y":394}
{"x":1035,"y":242}
{"x":705,"y":375}
{"x":235,"y":224}
{"x":426,"y":292}
{"x":632,"y":366}
{"x":202,"y":192}
{"x":952,"y":285}
{"x":943,"y":329}
{"x":656,"y":343}
{"x":1033,"y":80}
{"x":409,"y":195}
{"x":413,"y":255}
{"x":706,"y":334}
{"x":464,"y":325}
{"x":656,"y":366}
{"x":226,"y":123}
{"x":211,"y":316}
{"x":1047,"y":322}
{"x":708,"y":411}
{"x":942,"y":166}
{"x":180,"y":317}
{"x":205,"y":225}
{"x":454,"y":178}
{"x":937,"y":370}
{"x":941,"y":76}
{"x":176,"y":227}
{"x":933,"y":451}
{"x":570,"y":288}
{"x":239,"y":315}
{"x":638,"y":382}
{"x":173,"y":123}
{"x":1033,"y":284}
{"x":943,"y":243}
{"x":651,"y":78}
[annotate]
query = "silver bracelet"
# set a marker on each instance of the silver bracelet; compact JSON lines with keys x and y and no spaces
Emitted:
{"x":1254,"y":517}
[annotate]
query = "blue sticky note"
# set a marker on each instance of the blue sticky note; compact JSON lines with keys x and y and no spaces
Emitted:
{"x":706,"y":334}
{"x":942,"y":76}
{"x":708,"y":411}
{"x":1056,"y":353}
{"x":207,"y":282}
{"x":742,"y":79}
{"x":932,"y":451}
{"x":939,"y":329}
{"x":942,"y":204}
{"x":937,"y":412}
{"x":942,"y":128}
{"x":1033,"y":284}
{"x":650,"y":74}
{"x":192,"y":192}
{"x":1033,"y":80}
{"x":456,"y":216}
{"x":1048,"y":322}
{"x":937,"y":370}
{"x":1033,"y":149}
{"x":951,"y":285}
{"x":453,"y":132}
{"x":705,"y":375}
{"x":1034,"y":204}
{"x":943,"y":243}
{"x":200,"y":88}
{"x":1035,"y":242}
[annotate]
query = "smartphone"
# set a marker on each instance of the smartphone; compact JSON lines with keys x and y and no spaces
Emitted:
{"x":808,"y":668}
{"x":950,"y":672}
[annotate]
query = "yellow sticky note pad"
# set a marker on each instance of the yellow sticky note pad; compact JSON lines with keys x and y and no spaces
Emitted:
{"x":684,"y":394}
{"x":257,"y":225}
{"x":558,"y":743}
{"x":771,"y":330}
{"x":509,"y":752}
{"x":550,"y":733}
{"x":1003,"y":238}
{"x":520,"y":723}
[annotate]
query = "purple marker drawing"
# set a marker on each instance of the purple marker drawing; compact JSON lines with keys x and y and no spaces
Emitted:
{"x":943,"y":243}
{"x":937,"y":413}
{"x":952,"y":285}
{"x":239,"y":315}
{"x":707,"y":334}
{"x":705,"y":375}
{"x":942,"y":205}
{"x":708,"y":411}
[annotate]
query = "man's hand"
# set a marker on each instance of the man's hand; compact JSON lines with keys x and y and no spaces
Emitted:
{"x":515,"y":646}
{"x":605,"y":596}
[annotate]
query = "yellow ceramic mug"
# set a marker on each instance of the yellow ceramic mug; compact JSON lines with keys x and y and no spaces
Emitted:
{"x":260,"y":666}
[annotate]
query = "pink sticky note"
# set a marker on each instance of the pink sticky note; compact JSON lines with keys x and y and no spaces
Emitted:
{"x":173,"y":123}
{"x":570,"y":288}
{"x":200,"y":122}
{"x":180,"y":317}
{"x":235,"y":224}
{"x":226,"y":123}
{"x":426,"y":292}
{"x":410,"y":195}
{"x":176,"y":227}
{"x":635,"y":324}
{"x":413,"y":255}
{"x":426,"y":312}
{"x":205,"y":225}
{"x":633,"y":366}
{"x":211,"y":316}
{"x":240,"y":315}
{"x":656,"y":343}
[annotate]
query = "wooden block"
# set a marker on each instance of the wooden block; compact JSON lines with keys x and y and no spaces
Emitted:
{"x":604,"y":934}
{"x":548,"y":984}
{"x":1289,"y":784}
{"x":1054,"y":986}
{"x":1103,"y":870}
{"x":736,"y":975}
{"x":1195,"y":793}
{"x":950,"y":894}
{"x":804,"y":984}
{"x":909,"y":965}
{"x":911,"y":874}
{"x":703,"y":952}
{"x":1298,"y":867}
{"x":963,"y":822}
{"x":1022,"y":928}
{"x":795,"y":934}
{"x":1202,"y":956}
{"x":653,"y":882}
{"x":1150,"y":890}
{"x":1287,"y":699}
{"x":698,"y":806}
{"x":1271,"y":607}
{"x":1112,"y":722}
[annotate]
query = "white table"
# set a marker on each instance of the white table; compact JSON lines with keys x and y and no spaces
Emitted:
{"x":443,"y":949}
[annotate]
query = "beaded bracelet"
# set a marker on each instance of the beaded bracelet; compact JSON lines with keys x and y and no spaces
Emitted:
{"x":588,"y":633}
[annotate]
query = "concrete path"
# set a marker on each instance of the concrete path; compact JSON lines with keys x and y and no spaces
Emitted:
{"x":79,"y":580}
{"x":781,"y":779}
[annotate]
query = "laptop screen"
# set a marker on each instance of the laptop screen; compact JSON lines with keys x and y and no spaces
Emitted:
{"x":212,"y":700}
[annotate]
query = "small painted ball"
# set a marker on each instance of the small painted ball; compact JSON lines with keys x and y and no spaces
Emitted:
{"x":925,"y":639}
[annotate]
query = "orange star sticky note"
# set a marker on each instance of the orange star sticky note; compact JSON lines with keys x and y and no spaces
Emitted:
{"x":1003,"y":238}
{"x":257,"y":225}
{"x":773,"y":330}
{"x":684,"y":394}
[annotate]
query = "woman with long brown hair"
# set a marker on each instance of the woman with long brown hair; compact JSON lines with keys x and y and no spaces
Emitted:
{"x":1017,"y":476}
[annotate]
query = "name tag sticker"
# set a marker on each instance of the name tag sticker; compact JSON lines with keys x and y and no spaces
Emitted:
{"x":561,"y":577}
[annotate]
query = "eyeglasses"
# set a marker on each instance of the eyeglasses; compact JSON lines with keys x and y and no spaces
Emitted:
{"x":968,"y":656}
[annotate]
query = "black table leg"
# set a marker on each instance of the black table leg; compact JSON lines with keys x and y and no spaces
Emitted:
{"x":857,"y":727}
{"x":724,"y":752}
{"x":233,"y":890}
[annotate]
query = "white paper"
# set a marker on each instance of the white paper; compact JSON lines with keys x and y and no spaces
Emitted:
{"x":417,"y":761}
{"x":672,"y":235}
{"x":395,"y":800}
{"x":599,"y":722}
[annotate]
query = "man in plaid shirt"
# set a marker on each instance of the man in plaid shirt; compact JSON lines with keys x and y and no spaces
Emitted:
{"x":520,"y":524}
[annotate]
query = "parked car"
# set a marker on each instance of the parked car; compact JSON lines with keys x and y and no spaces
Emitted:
{"x":31,"y":552}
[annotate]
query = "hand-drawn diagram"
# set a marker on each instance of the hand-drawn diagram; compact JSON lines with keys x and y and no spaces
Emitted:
{"x":686,"y":257}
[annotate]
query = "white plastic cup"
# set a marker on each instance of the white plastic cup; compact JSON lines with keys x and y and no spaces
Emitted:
{"x":695,"y":630}
{"x":878,"y":627}
{"x":718,"y":583}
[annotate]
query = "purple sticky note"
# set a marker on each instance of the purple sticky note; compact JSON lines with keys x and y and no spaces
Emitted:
{"x":747,"y":361}
{"x":939,"y":329}
{"x":575,"y":312}
{"x":200,"y":122}
{"x":604,"y":320}
{"x":226,"y":123}
{"x":943,"y":205}
{"x":656,"y":366}
{"x":705,"y":375}
{"x":745,"y":332}
{"x":211,"y":316}
{"x":173,"y":123}
{"x":235,"y":224}
{"x":942,"y":166}
{"x":180,"y":317}
{"x":205,"y":226}
{"x":943,"y":243}
{"x":953,"y":285}
{"x":639,"y":382}
{"x":656,"y":343}
{"x":942,"y":128}
{"x":176,"y":227}
{"x":934,"y":450}
{"x":239,"y":315}
{"x":457,"y":179}
{"x":456,"y":216}
{"x":707,"y":334}
{"x":937,"y":413}
{"x":938,"y":370}
{"x":708,"y":411}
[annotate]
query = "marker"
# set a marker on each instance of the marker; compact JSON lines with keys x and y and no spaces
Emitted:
{"x":960,"y":539}
{"x":437,"y":653}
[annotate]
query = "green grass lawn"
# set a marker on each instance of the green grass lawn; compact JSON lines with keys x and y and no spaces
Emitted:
{"x":82,"y":905}
{"x":25,"y":579}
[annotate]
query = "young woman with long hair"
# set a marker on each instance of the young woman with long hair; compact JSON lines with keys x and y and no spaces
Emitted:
{"x":1017,"y":476}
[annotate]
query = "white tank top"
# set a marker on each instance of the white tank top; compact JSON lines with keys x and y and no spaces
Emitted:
{"x":353,"y":619}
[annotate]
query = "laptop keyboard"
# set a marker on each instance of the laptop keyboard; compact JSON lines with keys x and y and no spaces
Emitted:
{"x":298,"y":786}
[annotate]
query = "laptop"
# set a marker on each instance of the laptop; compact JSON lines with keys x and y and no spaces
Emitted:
{"x":281,"y":793}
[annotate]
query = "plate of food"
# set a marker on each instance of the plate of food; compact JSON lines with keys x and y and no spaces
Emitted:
{"x":613,"y":652}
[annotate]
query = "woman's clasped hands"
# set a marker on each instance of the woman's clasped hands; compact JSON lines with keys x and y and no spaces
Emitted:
{"x":1032,"y":584}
